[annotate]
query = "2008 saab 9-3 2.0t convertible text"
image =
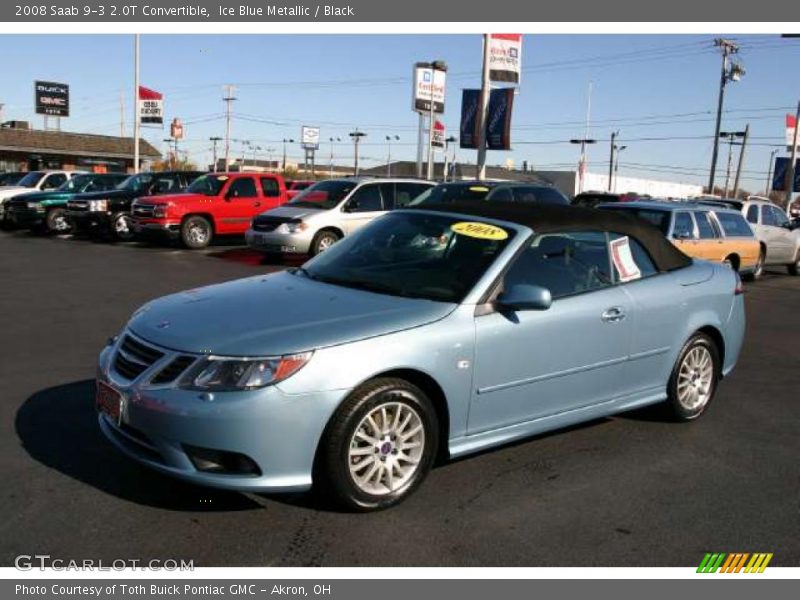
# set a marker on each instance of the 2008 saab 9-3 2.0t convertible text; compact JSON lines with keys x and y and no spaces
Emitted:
{"x":431,"y":332}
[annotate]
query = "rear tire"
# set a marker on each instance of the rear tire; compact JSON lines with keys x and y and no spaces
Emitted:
{"x":196,"y":233}
{"x":323,"y":240}
{"x":758,"y":270}
{"x":379,"y":445}
{"x":57,"y":222}
{"x":694,"y":378}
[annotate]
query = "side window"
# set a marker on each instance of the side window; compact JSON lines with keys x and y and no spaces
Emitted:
{"x":778,"y":216}
{"x":684,"y":226}
{"x":242,"y":187}
{"x":53,"y":181}
{"x":705,"y":229}
{"x":734,"y":225}
{"x":752,"y":214}
{"x":564,"y":263}
{"x":270,"y":187}
{"x":631,"y":261}
{"x":404,"y":193}
{"x":501,"y":194}
{"x":163,"y":185}
{"x":366,"y":199}
{"x":546,"y":195}
{"x":767,"y":218}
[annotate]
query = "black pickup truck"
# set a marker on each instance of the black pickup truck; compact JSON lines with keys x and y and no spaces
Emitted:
{"x":108,"y":213}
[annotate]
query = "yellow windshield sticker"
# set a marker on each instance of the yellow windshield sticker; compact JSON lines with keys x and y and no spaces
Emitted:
{"x":478,"y":188}
{"x":481,"y":231}
{"x":222,"y":178}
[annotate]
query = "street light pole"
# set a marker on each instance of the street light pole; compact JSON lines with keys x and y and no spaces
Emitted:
{"x":214,"y":141}
{"x":618,"y":151}
{"x":583,"y":142}
{"x":331,"y":163}
{"x":389,"y":158}
{"x":741,"y":160}
{"x":356,"y":135}
{"x":614,"y":135}
{"x":769,"y":172}
{"x":290,"y":141}
{"x":730,"y":136}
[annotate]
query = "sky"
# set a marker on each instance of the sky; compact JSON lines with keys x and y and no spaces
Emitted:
{"x":658,"y":91}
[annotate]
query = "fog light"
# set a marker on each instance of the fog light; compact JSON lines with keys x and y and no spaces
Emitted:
{"x":221,"y":462}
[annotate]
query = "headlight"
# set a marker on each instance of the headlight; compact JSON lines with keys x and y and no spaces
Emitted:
{"x":98,"y":205}
{"x":34,"y":205}
{"x":236,"y":374}
{"x":159,"y":211}
{"x":292,"y":227}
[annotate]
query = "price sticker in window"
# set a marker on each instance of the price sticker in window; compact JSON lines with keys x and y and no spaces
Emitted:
{"x":481,"y":231}
{"x":621,"y":254}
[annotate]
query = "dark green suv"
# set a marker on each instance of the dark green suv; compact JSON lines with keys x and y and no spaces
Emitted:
{"x":45,"y":211}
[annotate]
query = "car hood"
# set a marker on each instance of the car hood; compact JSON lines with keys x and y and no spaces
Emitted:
{"x":106,"y":195}
{"x":42,"y":196}
{"x":7,"y":191}
{"x":173,"y":198}
{"x":291,"y":212}
{"x":276,"y":314}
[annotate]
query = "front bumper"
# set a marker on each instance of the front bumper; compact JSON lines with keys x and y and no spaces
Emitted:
{"x":278,"y":431}
{"x":157,"y":230}
{"x":25,"y":218}
{"x":279,"y":243}
{"x":89,"y":221}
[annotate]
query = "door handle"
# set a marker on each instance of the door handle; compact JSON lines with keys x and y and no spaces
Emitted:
{"x":257,"y":204}
{"x":613,"y":315}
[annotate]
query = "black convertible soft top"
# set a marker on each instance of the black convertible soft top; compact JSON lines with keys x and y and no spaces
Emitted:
{"x":544,"y":218}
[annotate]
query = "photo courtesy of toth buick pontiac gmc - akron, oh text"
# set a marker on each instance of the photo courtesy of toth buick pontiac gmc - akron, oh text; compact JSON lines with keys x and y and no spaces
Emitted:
{"x":431,"y":333}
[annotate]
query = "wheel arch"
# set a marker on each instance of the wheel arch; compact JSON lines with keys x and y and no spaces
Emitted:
{"x":719,"y":341}
{"x":208,"y":216}
{"x":331,"y":228}
{"x":735,"y":259}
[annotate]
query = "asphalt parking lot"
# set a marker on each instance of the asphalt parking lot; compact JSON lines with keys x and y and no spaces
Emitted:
{"x":633,"y":490}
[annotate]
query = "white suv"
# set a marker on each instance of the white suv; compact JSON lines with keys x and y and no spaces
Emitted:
{"x":773,"y":229}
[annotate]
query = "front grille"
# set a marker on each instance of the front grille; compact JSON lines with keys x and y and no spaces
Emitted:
{"x":269,"y":223}
{"x":143,"y":210}
{"x":16,"y":204}
{"x":173,"y":370}
{"x":78,"y":205}
{"x":133,"y":358}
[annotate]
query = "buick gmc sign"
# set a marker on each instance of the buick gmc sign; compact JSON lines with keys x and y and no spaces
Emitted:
{"x":51,"y":98}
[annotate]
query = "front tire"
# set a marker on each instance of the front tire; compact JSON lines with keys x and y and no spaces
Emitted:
{"x":121,"y":227}
{"x":57,"y":222}
{"x":794,"y":268}
{"x":322,"y":241}
{"x":379,"y":445}
{"x":694,"y":378}
{"x":758,"y":270}
{"x":196,"y":233}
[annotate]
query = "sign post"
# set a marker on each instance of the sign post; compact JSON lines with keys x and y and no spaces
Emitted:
{"x":309,"y":140}
{"x":428,"y":98}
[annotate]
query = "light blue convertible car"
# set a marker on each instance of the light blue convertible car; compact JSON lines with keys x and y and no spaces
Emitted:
{"x":432,"y":332}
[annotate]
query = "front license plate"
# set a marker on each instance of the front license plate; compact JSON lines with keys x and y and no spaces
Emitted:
{"x":109,"y":402}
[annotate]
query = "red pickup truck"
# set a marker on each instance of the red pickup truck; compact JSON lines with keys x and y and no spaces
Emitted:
{"x":215,"y":204}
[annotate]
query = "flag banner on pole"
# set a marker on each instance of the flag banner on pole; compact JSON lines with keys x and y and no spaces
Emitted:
{"x":151,"y":107}
{"x":791,"y":123}
{"x":438,"y":134}
{"x":498,"y":124}
{"x":505,"y":57}
{"x":779,"y":174}
{"x":468,"y":134}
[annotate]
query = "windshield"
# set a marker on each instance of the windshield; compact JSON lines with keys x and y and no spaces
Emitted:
{"x":452,"y":192}
{"x":324,"y":195}
{"x":208,"y":185}
{"x":31,"y":179}
{"x":79,"y":183}
{"x":659,"y":218}
{"x":10,"y":178}
{"x":136,"y":183}
{"x":412,"y":254}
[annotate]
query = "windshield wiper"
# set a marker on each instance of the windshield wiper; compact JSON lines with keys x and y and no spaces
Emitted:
{"x":303,"y":271}
{"x":367,"y":285}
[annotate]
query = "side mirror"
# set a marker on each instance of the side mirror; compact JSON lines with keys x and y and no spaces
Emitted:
{"x":525,"y":297}
{"x":351,"y":206}
{"x":229,"y":194}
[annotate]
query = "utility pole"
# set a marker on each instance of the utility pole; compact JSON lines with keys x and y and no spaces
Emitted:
{"x":790,"y":168}
{"x":741,"y":160}
{"x":121,"y":114}
{"x":614,"y":135}
{"x":730,"y":72}
{"x":483,"y":111}
{"x":769,"y":172}
{"x":731,"y":137}
{"x":136,"y":124}
{"x":356,"y":135}
{"x":214,"y":141}
{"x":228,"y":99}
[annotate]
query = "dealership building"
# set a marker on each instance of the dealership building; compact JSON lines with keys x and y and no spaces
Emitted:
{"x":25,"y":149}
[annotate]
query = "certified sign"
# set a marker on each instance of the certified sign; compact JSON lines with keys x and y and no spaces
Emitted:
{"x":309,"y":137}
{"x":429,"y":86}
{"x":505,"y":57}
{"x":151,"y":107}
{"x":51,"y":98}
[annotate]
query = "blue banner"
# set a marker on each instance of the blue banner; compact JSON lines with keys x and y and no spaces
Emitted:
{"x":779,"y":175}
{"x":498,"y":126}
{"x":470,"y":99}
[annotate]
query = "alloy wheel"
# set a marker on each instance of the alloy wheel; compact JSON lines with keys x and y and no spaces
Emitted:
{"x":696,"y":378}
